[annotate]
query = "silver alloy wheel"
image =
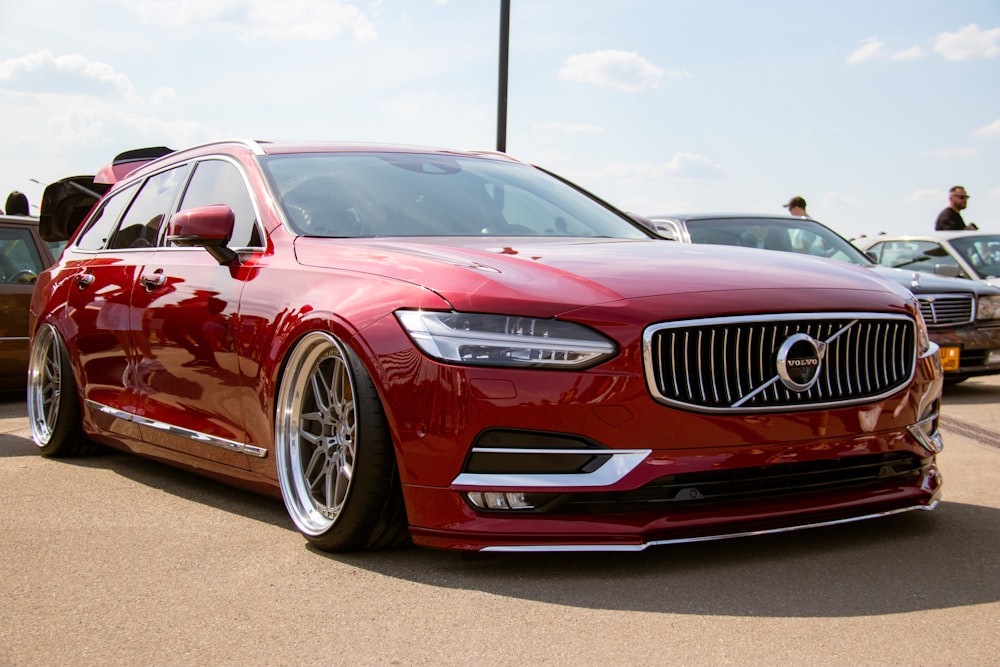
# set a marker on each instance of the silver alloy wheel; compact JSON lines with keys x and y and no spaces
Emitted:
{"x":316,"y":433}
{"x":45,"y":384}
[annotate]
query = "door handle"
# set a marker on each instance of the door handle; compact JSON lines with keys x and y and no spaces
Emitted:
{"x":84,"y":280}
{"x":152,"y":281}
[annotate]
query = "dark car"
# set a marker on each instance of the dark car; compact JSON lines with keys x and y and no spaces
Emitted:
{"x":462,"y":349}
{"x":963,"y":316}
{"x":23,"y":255}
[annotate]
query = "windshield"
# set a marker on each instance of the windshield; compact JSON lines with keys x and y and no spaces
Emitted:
{"x":405,"y":194}
{"x":800,"y":235}
{"x":980,"y":251}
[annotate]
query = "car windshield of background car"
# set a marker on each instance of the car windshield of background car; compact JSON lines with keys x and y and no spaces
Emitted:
{"x":799,"y":236}
{"x":404,"y":194}
{"x":982,"y":252}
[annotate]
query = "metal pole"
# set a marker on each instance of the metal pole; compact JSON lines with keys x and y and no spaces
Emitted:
{"x":502,"y":90}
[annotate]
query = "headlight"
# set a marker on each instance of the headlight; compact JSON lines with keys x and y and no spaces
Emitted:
{"x":923,"y":338}
{"x":504,"y":340}
{"x":988,"y":308}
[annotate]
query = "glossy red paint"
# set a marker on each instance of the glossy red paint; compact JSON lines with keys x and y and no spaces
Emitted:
{"x":181,"y":357}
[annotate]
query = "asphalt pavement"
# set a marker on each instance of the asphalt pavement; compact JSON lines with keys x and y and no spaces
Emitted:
{"x":115,"y":560}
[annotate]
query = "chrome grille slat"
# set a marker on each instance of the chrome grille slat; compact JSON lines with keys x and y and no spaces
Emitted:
{"x":730,"y":364}
{"x":947,"y":309}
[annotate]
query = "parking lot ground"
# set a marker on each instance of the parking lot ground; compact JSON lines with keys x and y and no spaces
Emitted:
{"x":114,"y":560}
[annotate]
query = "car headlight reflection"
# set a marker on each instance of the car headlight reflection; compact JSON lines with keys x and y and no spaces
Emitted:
{"x":988,"y":308}
{"x":505,"y":340}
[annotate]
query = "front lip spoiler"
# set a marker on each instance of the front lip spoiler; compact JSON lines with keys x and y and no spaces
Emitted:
{"x":708,"y":538}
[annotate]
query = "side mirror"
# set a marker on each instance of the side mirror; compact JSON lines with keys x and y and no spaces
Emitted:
{"x":948,"y":270}
{"x":209,"y":227}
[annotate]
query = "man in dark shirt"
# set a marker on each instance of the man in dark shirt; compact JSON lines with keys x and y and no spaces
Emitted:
{"x":951,"y":217}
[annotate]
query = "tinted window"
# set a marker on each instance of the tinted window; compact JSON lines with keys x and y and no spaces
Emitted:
{"x":142,"y":221}
{"x":806,"y":237}
{"x":220,"y":182}
{"x":982,"y":252}
{"x":352,"y":194}
{"x":19,"y":258}
{"x":102,"y":223}
{"x":913,"y":255}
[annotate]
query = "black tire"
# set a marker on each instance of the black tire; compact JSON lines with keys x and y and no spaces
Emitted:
{"x":334,"y":454}
{"x":53,"y":401}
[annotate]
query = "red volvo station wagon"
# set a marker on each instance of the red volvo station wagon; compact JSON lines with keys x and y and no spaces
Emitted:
{"x":468,"y":352}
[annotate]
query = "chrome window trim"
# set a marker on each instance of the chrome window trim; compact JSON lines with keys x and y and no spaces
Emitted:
{"x":241,"y":170}
{"x":222,"y":443}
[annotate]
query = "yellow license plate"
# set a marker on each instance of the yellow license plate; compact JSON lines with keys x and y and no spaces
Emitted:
{"x":950,"y":357}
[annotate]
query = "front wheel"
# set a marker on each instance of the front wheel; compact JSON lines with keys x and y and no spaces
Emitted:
{"x":53,"y":404}
{"x":336,"y":464}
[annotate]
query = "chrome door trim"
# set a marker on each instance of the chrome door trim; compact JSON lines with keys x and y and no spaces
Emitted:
{"x":222,"y":443}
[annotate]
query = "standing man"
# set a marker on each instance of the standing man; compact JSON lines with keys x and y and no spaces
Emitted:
{"x":951,"y":217}
{"x":797,"y":206}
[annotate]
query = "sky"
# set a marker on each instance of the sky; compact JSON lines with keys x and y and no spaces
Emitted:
{"x":870,"y":110}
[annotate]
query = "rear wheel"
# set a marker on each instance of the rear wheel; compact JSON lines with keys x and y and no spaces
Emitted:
{"x":335,"y":460}
{"x":53,"y":403}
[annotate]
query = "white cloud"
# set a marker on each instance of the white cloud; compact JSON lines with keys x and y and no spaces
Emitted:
{"x":622,"y":70}
{"x":44,"y":71}
{"x":681,"y":166}
{"x":834,"y":198}
{"x":181,"y":12}
{"x":991,"y":131}
{"x":83,"y":125}
{"x":926,"y":196}
{"x":953,"y":153}
{"x":870,"y":49}
{"x":307,"y":19}
{"x":969,"y":43}
{"x":567,"y":128}
{"x":874,"y":48}
{"x":163,"y":94}
{"x":912,"y":53}
{"x":263,"y":19}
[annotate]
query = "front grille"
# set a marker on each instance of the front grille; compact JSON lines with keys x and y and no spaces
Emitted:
{"x":947,"y":309}
{"x":732,"y":364}
{"x":743,"y":485}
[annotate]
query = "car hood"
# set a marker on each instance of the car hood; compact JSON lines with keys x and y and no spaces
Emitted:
{"x":928,"y":283}
{"x":553,"y":275}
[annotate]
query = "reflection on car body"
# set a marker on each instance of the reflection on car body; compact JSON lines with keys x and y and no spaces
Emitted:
{"x":963,"y":317}
{"x":461,"y":349}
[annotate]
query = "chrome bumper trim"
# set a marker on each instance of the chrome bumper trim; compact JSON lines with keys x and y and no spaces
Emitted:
{"x":621,"y":463}
{"x":708,"y":538}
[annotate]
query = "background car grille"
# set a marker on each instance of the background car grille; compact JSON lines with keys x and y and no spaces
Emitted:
{"x":946,"y":309}
{"x":730,"y":364}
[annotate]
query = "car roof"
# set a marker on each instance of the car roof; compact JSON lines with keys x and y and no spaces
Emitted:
{"x":934,"y":236}
{"x":22,"y":220}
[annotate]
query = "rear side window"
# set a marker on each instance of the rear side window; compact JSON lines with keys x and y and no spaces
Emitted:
{"x":142,"y":221}
{"x":102,"y":223}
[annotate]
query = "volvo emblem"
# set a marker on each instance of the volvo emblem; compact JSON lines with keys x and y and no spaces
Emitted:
{"x":800,"y":359}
